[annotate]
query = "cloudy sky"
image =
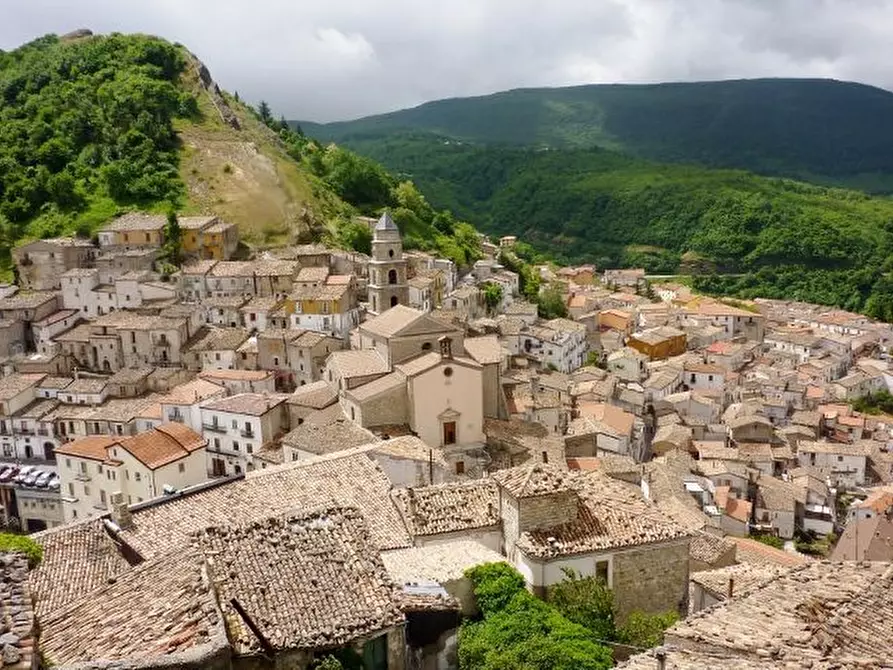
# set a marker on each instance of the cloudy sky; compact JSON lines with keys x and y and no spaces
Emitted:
{"x":336,"y":59}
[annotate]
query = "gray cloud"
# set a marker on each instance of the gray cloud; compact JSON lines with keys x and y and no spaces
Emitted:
{"x":335,"y":59}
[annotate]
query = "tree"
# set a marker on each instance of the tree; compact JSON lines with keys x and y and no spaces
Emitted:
{"x":172,"y":250}
{"x":646,"y":630}
{"x":492,"y":295}
{"x":587,"y":601}
{"x":521,"y":632}
{"x":263,"y":110}
{"x":356,"y":236}
{"x":550,"y":303}
{"x":595,"y":358}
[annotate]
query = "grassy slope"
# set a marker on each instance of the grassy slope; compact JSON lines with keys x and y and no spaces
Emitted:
{"x":836,"y":132}
{"x":245,"y":176}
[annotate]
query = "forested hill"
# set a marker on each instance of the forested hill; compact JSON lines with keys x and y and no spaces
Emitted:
{"x":770,"y":237}
{"x":812,"y":129}
{"x":95,"y":125}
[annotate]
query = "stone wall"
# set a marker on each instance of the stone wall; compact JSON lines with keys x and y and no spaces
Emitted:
{"x":491,"y":391}
{"x":547,"y":511}
{"x":389,"y":408}
{"x":651,"y":579}
{"x":508,"y":512}
{"x":397,"y":648}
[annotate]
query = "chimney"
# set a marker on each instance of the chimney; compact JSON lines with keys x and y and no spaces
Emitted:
{"x":77,"y":374}
{"x":731,"y":590}
{"x":446,"y":346}
{"x":120,"y":512}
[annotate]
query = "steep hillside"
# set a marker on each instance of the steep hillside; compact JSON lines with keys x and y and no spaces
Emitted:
{"x":91,"y":126}
{"x":779,"y":238}
{"x":818,"y":130}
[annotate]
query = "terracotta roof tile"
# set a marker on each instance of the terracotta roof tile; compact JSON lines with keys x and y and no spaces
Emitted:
{"x":344,"y":479}
{"x":253,"y":404}
{"x":77,"y":558}
{"x":161,"y":609}
{"x":447,"y":508}
{"x":306,"y":581}
{"x":611,"y":515}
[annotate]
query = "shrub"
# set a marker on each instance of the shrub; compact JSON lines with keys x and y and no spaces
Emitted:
{"x":521,"y":632}
{"x":22,"y":544}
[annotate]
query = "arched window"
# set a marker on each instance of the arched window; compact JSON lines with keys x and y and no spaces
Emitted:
{"x":392,"y":276}
{"x":394,"y":301}
{"x":391,"y":253}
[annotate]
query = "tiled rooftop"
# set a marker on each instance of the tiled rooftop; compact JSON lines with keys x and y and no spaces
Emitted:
{"x":315,"y":395}
{"x":611,"y":515}
{"x":441,"y":562}
{"x":818,"y":613}
{"x":306,"y":581}
{"x":741,"y":578}
{"x":342,"y":479}
{"x":16,"y":613}
{"x":137,"y":221}
{"x":162,"y":609}
{"x":532,"y":480}
{"x":77,"y":558}
{"x":448,"y":508}
{"x":252,"y":404}
{"x":327,"y":438}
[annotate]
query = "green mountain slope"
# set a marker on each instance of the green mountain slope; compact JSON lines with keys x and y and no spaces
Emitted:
{"x":91,"y":126}
{"x":779,"y":238}
{"x":818,"y":130}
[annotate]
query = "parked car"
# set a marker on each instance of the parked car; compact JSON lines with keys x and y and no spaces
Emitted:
{"x":54,"y":484}
{"x":31,"y":478}
{"x":23,"y":474}
{"x":43,"y":479}
{"x":8,"y":473}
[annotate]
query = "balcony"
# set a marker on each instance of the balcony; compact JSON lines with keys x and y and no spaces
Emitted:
{"x":179,"y":418}
{"x":161,"y":342}
{"x":214,"y":427}
{"x":247,"y":432}
{"x":23,"y":431}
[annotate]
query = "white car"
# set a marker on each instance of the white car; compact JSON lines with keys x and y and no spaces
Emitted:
{"x":23,"y":474}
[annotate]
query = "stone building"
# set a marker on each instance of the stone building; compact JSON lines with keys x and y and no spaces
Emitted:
{"x":787,"y":621}
{"x":597,"y":526}
{"x":387,"y":270}
{"x":134,"y":230}
{"x":403,"y":333}
{"x":41,"y":263}
{"x":438,"y":395}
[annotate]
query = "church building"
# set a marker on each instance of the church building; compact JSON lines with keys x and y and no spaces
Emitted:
{"x":387,"y":269}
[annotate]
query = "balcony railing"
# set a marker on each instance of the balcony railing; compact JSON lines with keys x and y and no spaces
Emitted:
{"x":214,"y":427}
{"x":179,"y":418}
{"x":163,"y":343}
{"x":247,"y":432}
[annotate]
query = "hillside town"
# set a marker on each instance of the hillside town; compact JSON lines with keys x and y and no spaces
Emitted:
{"x":252,"y":461}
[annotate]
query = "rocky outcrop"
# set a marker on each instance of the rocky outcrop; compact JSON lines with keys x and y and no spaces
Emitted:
{"x":80,"y":33}
{"x":226,"y":113}
{"x":17,"y":632}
